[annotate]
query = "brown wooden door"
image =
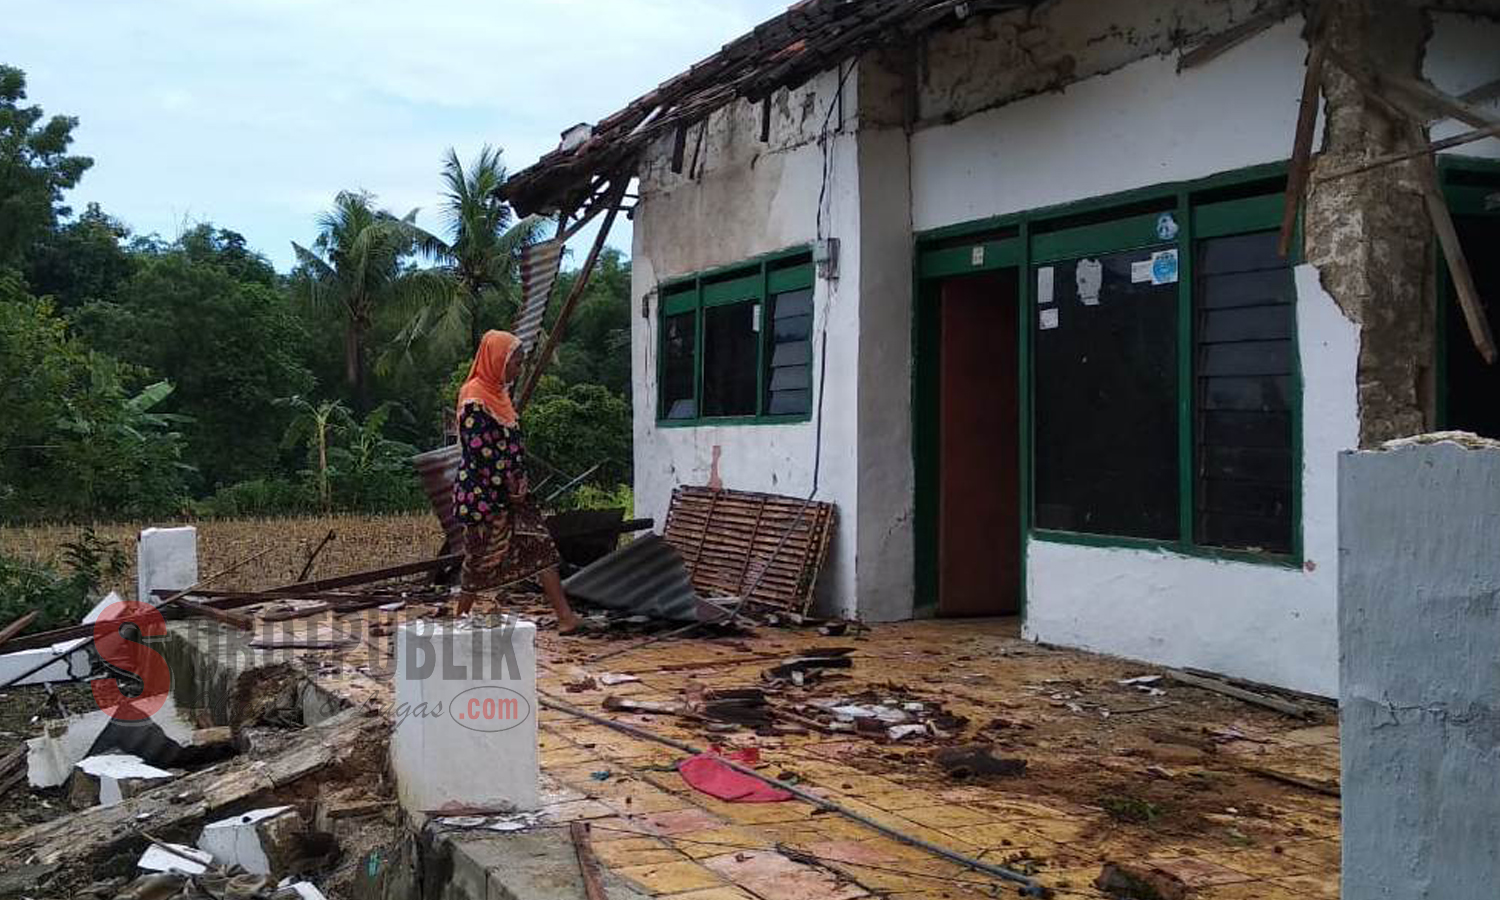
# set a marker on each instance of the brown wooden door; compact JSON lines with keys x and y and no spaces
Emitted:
{"x":979,"y":572}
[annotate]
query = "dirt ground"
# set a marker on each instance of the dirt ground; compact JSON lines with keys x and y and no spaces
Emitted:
{"x":24,"y":712}
{"x":1114,"y":772}
{"x":360,"y":542}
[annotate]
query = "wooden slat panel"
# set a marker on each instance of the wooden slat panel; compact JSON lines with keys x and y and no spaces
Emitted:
{"x":731,"y":538}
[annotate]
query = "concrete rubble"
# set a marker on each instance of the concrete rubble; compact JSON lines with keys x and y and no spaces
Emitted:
{"x":262,"y":841}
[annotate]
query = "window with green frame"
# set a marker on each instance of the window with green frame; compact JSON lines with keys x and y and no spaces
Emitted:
{"x":1164,"y":373}
{"x":736,"y":344}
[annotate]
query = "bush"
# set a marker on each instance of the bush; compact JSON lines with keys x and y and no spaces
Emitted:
{"x":592,"y":496}
{"x":61,"y":600}
{"x":259,"y":497}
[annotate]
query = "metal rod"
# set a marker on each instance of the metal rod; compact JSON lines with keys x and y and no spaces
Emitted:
{"x":313,"y":556}
{"x":1434,"y":147}
{"x":1029,"y":886}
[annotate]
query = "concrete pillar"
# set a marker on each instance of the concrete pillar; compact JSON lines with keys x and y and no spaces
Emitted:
{"x":465,"y":732}
{"x":166,"y":559}
{"x":1419,"y":615}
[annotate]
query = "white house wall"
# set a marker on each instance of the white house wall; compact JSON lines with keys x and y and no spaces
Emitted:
{"x":1138,"y":125}
{"x":750,"y":199}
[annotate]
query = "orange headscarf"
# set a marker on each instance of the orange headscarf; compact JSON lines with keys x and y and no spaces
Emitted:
{"x":486,"y":382}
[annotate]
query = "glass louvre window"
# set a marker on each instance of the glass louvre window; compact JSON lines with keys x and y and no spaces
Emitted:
{"x":679,"y":346}
{"x":1105,"y":395}
{"x":1245,"y":380}
{"x":736,"y":344}
{"x":730,"y":343}
{"x":789,"y":358}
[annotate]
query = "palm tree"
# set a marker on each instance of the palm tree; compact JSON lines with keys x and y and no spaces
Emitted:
{"x":357,"y":267}
{"x":480,"y":260}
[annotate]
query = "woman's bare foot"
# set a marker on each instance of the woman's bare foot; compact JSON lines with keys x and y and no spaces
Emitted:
{"x":568,"y":621}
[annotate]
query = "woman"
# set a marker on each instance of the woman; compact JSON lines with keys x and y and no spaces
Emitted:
{"x":505,"y":539}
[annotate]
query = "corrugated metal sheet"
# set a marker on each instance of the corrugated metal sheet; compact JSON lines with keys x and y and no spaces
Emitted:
{"x":539,"y":265}
{"x":645,"y":577}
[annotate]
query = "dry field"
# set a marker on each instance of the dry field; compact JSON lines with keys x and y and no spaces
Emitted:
{"x":360,"y":542}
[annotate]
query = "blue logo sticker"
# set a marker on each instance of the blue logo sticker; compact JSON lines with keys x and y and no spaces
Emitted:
{"x":1166,"y":227}
{"x":1164,"y":267}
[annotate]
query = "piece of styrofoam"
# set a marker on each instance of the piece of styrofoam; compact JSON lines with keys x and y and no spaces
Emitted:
{"x":159,"y":859}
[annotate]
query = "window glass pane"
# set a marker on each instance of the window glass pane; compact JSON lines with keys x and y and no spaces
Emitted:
{"x":730,"y":342}
{"x":789,"y":363}
{"x":1244,"y":380}
{"x":679,"y":339}
{"x":1105,"y":396}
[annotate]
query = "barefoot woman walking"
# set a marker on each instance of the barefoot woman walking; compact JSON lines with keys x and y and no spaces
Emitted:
{"x":505,"y":539}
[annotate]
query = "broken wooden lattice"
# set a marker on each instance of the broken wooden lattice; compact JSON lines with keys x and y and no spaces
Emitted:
{"x":765,"y":547}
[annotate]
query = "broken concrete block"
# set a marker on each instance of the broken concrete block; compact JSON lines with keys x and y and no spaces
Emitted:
{"x":108,"y":779}
{"x":262,"y":841}
{"x":113,"y":604}
{"x":465,"y":733}
{"x":70,"y":663}
{"x":166,"y":559}
{"x":158,"y":739}
{"x":175,"y":858}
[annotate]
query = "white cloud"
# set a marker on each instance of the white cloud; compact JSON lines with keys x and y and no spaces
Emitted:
{"x":254,"y":113}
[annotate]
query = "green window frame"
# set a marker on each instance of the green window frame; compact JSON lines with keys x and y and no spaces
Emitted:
{"x":1244,"y":202}
{"x":702,"y":318}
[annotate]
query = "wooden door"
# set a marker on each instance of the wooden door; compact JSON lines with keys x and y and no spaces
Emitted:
{"x":979,"y":552}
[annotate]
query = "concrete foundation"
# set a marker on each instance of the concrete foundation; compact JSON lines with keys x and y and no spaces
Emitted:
{"x":465,"y":731}
{"x":166,"y":559}
{"x":1419,"y":611}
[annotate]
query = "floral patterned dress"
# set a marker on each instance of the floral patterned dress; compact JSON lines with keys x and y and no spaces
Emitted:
{"x":504,"y":541}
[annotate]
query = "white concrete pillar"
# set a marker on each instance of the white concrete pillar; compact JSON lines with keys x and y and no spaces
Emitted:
{"x":465,"y":732}
{"x":1419,"y":711}
{"x":166,"y":559}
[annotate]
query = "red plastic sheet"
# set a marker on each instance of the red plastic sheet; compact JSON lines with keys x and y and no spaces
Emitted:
{"x":707,"y":773}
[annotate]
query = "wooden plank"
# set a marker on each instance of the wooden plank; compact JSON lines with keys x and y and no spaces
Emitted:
{"x":1221,"y":43}
{"x":18,"y":626}
{"x":1458,"y":265}
{"x":1229,"y":690}
{"x":1307,"y":120}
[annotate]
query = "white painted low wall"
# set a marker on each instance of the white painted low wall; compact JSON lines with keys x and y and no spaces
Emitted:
{"x":454,"y":744}
{"x":1263,"y":622}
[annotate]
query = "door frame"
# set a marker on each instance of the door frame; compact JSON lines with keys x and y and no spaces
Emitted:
{"x":970,"y":255}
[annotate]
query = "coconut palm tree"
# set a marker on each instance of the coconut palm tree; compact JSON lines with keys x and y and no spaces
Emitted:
{"x":357,"y":267}
{"x":479,"y":259}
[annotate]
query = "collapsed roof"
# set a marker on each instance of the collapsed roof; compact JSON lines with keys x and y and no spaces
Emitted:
{"x":784,"y":52}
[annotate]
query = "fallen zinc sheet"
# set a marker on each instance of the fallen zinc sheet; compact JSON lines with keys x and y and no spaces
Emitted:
{"x":646,"y":577}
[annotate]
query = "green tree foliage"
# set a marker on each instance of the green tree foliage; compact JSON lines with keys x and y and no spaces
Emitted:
{"x":357,"y":269}
{"x":35,"y":168}
{"x":83,"y":260}
{"x":142,"y":377}
{"x":81,"y":432}
{"x":575,"y":427}
{"x":596,"y":343}
{"x":206,"y":315}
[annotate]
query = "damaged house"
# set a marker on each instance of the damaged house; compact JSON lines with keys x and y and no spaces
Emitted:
{"x":1068,"y":307}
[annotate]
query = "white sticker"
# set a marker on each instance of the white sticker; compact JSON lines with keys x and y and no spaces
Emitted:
{"x":1140,"y":271}
{"x":1090,"y":276}
{"x":976,"y":255}
{"x":755,"y":318}
{"x":1164,"y":267}
{"x":1047,"y":318}
{"x":1044,"y":284}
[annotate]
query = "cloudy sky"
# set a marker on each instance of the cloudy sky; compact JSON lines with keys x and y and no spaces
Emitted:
{"x":254,"y":113}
